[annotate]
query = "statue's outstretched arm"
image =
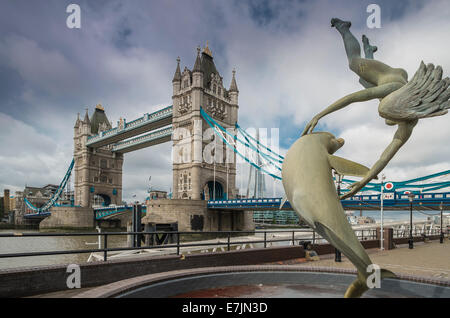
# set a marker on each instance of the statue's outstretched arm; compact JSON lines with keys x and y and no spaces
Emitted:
{"x":401,"y":136}
{"x":360,"y":96}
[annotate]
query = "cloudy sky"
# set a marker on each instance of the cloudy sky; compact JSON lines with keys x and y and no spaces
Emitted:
{"x":290,"y":65}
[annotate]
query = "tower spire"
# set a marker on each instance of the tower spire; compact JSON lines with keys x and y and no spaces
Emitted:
{"x":177,"y":76}
{"x":198,"y":62}
{"x":77,"y":122}
{"x":86,"y":117}
{"x":233,"y":85}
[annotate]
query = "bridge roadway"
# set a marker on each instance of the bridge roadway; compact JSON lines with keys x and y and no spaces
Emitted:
{"x":146,"y":123}
{"x":426,"y":201}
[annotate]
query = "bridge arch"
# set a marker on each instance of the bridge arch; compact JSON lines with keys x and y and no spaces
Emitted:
{"x":214,"y":190}
{"x":101,"y":199}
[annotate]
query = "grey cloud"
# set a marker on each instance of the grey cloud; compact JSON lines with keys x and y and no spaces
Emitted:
{"x":290,"y":65}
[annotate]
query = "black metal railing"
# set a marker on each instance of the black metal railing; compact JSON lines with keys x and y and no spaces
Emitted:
{"x":402,"y":233}
{"x":292,"y":239}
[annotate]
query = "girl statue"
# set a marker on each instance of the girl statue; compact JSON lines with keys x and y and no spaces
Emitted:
{"x":402,"y":103}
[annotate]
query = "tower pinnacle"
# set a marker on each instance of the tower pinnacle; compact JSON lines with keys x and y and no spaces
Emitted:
{"x":177,"y":76}
{"x":198,"y":62}
{"x":86,"y":117}
{"x":233,"y":86}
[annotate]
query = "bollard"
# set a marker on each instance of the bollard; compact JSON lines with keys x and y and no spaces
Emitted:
{"x":337,"y":255}
{"x":137,"y":215}
{"x":105,"y":246}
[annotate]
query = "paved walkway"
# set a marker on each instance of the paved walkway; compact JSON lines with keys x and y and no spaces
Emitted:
{"x":430,"y":259}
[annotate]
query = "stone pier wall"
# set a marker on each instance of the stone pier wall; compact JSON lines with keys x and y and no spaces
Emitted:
{"x":69,"y":218}
{"x":193,"y":215}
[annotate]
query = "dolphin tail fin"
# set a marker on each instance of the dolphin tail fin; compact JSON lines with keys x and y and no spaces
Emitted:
{"x":283,"y":202}
{"x":359,"y":286}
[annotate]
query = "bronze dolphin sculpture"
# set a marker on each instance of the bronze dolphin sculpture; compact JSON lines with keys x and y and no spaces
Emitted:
{"x":308,"y":183}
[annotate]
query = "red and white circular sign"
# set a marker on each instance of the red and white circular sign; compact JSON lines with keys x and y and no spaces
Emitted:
{"x":407,"y":192}
{"x":389,"y":186}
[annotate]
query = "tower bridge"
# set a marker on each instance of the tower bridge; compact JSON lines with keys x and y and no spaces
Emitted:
{"x":200,"y":101}
{"x":99,"y":148}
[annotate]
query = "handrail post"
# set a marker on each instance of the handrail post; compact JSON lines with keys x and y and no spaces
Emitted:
{"x":105,"y":246}
{"x":293,"y":238}
{"x":228,"y":244}
{"x":265,"y":239}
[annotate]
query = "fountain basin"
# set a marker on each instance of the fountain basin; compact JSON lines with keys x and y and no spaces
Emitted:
{"x":265,"y":281}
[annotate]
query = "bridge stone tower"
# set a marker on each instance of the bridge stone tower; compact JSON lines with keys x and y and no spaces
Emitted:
{"x":98,"y":172}
{"x":197,"y":175}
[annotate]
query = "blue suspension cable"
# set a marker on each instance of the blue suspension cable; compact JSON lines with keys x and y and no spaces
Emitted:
{"x":248,"y":145}
{"x":210,"y":119}
{"x":247,"y":136}
{"x":51,"y":202}
{"x":263,"y":155}
{"x":243,"y":132}
{"x":206,"y":117}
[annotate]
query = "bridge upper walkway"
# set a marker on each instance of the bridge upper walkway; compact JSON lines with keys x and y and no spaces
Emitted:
{"x":147,"y":140}
{"x":148,"y":122}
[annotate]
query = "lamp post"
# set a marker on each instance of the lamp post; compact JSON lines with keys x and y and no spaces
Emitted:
{"x":381,"y":227}
{"x":227,"y":179}
{"x":150,"y":187}
{"x":441,"y":238}
{"x":410,"y":241}
{"x":337,"y":253}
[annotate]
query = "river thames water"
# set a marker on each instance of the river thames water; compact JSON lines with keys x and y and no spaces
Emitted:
{"x":52,"y":243}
